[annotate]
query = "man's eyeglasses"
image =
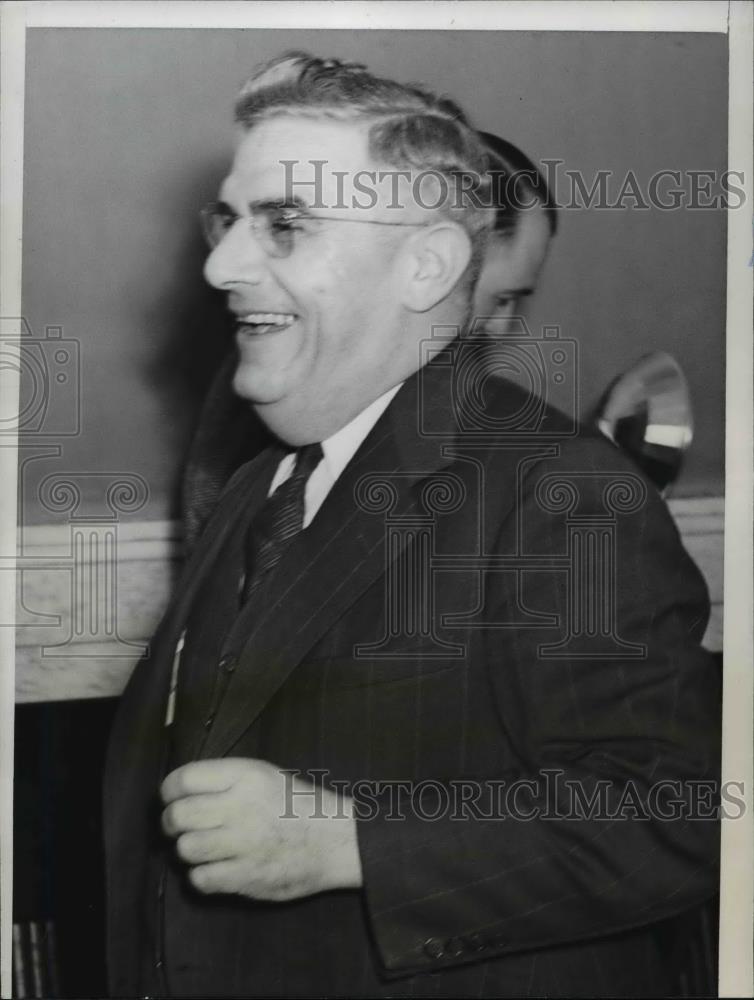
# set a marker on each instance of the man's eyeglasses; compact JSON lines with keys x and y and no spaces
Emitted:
{"x":276,"y":225}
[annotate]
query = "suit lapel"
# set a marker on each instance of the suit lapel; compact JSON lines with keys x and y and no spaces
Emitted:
{"x":245,"y":492}
{"x":330,"y":564}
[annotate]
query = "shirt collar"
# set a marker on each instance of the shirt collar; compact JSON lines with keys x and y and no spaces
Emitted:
{"x":341,"y":446}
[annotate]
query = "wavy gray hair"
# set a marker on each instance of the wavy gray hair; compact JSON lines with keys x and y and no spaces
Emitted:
{"x":410,"y":128}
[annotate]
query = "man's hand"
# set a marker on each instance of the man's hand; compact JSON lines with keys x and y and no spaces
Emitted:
{"x":245,"y":827}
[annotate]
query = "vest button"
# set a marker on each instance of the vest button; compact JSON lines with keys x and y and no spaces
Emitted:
{"x":209,"y":721}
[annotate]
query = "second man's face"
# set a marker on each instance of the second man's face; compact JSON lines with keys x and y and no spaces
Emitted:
{"x":319,"y":329}
{"x":511,"y":269}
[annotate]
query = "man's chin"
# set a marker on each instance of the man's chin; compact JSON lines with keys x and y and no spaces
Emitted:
{"x":252,"y":385}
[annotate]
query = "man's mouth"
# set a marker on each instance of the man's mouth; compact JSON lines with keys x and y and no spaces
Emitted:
{"x":257,"y":323}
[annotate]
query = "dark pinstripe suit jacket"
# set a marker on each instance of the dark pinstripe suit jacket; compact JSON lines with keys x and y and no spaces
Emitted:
{"x":505,"y":671}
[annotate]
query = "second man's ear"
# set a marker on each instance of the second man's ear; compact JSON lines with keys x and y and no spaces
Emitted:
{"x":437,"y":256}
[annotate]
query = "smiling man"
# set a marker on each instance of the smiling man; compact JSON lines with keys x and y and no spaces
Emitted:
{"x":361,"y":269}
{"x":379,"y":747}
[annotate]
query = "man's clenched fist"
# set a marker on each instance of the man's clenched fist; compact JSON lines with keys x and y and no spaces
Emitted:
{"x":233,"y":826}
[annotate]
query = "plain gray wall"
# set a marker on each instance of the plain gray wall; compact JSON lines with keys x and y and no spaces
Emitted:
{"x":128,"y":132}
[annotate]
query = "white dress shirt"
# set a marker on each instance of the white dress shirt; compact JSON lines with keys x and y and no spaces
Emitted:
{"x":338,"y":450}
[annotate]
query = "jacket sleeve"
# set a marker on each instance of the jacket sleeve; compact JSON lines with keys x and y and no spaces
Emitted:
{"x":610,"y":822}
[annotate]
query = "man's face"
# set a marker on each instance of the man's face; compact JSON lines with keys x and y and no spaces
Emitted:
{"x":511,"y":268}
{"x":318,"y":331}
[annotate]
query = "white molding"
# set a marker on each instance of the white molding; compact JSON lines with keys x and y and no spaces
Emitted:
{"x":469,"y":15}
{"x":137,"y":540}
{"x":55,"y":662}
{"x":156,"y":540}
{"x":698,"y":515}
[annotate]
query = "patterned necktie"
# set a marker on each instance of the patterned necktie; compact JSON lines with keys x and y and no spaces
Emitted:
{"x":278,"y":521}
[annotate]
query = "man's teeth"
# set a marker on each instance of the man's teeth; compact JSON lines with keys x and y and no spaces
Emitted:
{"x":267,"y":319}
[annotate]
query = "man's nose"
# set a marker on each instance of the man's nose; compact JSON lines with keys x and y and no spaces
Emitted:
{"x":237,"y":258}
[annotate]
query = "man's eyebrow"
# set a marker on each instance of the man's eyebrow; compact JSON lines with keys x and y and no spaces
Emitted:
{"x":268,"y":203}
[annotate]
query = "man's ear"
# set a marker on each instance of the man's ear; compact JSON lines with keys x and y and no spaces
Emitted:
{"x":437,"y":257}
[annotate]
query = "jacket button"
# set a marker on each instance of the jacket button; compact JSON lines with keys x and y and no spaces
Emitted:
{"x":455,"y":946}
{"x":209,"y":721}
{"x":434,"y":948}
{"x":476,"y":942}
{"x":228,"y":663}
